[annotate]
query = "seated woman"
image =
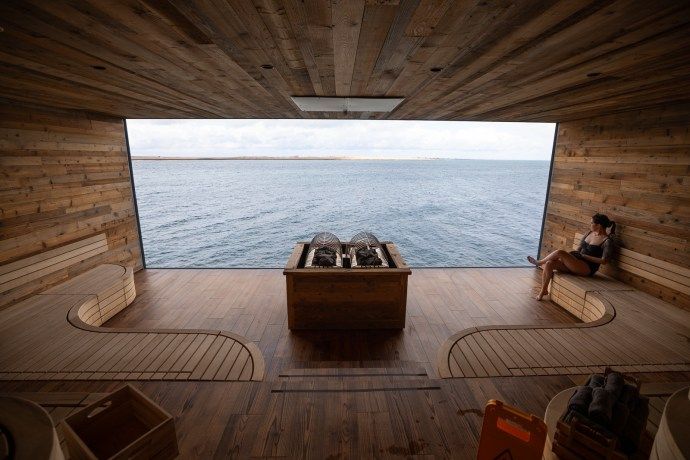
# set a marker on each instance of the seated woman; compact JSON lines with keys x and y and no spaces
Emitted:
{"x":596,"y":248}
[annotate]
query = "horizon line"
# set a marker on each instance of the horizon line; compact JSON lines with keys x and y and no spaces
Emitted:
{"x":328,"y":158}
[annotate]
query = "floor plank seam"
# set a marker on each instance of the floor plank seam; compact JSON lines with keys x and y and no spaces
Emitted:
{"x":357,"y":390}
{"x":93,"y":352}
{"x":562,"y":348}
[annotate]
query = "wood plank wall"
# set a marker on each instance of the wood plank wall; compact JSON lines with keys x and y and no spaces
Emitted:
{"x":506,"y":60}
{"x":65,"y":176}
{"x":634,"y":167}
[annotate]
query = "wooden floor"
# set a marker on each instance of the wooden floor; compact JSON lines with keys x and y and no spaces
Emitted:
{"x":57,"y":335}
{"x":252,"y":304}
{"x":60,"y":405}
{"x":329,"y":394}
{"x":638,"y":333}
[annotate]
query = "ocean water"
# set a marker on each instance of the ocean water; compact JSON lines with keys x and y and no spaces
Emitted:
{"x":250,"y":213}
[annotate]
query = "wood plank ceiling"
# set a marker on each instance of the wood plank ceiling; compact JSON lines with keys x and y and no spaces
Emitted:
{"x":451,"y":60}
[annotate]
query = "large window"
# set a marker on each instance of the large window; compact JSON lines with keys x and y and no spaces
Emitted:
{"x":448,"y":193}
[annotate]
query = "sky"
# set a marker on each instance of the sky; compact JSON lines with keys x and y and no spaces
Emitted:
{"x":342,"y":138}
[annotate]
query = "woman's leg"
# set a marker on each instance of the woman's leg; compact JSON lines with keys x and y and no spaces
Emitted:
{"x":572,"y":263}
{"x":565,"y":264}
{"x":555,"y":255}
{"x":547,"y":274}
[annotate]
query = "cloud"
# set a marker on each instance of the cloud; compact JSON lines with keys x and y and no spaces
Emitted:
{"x":352,"y":138}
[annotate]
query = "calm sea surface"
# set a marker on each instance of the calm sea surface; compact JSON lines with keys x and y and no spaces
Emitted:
{"x":250,"y":213}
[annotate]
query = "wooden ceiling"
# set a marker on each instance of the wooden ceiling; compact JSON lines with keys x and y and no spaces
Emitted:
{"x":500,"y":60}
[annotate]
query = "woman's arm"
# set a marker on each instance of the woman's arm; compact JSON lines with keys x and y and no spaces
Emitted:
{"x":607,"y":247}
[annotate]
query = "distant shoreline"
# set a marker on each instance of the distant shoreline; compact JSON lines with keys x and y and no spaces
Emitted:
{"x":237,"y":158}
{"x":297,"y":158}
{"x":150,"y":157}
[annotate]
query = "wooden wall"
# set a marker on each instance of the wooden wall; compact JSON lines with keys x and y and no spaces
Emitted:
{"x":481,"y":60}
{"x":65,"y":176}
{"x":634,"y":167}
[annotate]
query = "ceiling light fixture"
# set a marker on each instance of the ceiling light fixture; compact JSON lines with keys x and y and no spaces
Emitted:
{"x":346,"y":104}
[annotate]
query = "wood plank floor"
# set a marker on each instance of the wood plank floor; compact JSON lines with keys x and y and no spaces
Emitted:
{"x":336,"y":394}
{"x":56,"y":335}
{"x":637,"y":333}
{"x":60,"y":405}
{"x":252,"y":303}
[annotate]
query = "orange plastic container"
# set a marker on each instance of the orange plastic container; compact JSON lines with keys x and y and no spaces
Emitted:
{"x":509,"y":433}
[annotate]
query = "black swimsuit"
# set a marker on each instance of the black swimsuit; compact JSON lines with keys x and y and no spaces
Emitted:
{"x":593,"y":250}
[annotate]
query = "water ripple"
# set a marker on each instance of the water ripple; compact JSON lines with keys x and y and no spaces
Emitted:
{"x":250,"y":213}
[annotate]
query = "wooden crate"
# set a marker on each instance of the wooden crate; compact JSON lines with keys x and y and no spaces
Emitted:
{"x":346,"y":298}
{"x":123,"y":425}
{"x":578,"y":441}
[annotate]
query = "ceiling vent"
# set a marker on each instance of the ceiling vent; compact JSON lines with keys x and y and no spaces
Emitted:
{"x":346,"y":104}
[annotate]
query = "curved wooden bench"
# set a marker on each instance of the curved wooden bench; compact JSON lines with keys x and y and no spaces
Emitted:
{"x":569,"y":291}
{"x":622,"y":327}
{"x":626,"y":329}
{"x":57,"y":335}
{"x":27,"y":276}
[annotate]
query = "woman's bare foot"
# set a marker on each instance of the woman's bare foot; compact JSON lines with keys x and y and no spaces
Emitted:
{"x":540,"y":295}
{"x":532,"y":260}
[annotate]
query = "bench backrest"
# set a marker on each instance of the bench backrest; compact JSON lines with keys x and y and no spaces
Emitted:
{"x":658,"y":271}
{"x":31,"y":269}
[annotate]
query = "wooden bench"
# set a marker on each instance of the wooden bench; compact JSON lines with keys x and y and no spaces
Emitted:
{"x":622,"y":327}
{"x":26,"y":276}
{"x":636,"y":333}
{"x":569,"y":291}
{"x":57,"y":334}
{"x":110,"y":289}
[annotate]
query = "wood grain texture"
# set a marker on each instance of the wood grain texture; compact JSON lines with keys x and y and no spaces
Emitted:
{"x":550,"y":60}
{"x":251,"y":303}
{"x":337,"y":394}
{"x":57,"y":335}
{"x":616,"y":332}
{"x":633,"y":167}
{"x":16,"y":275}
{"x":65,"y":177}
{"x":346,"y":298}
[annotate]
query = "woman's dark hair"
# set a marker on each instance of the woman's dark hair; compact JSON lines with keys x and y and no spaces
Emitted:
{"x":604,"y":221}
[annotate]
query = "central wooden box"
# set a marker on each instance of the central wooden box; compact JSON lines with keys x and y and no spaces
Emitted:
{"x":346,"y":298}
